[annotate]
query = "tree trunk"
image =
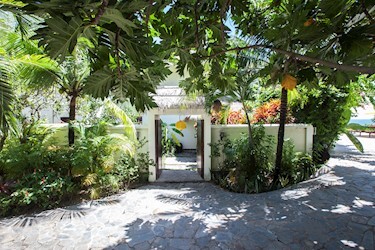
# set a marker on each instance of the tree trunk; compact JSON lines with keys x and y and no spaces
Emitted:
{"x":280,"y":136}
{"x":72,"y":117}
{"x":251,"y":141}
{"x":2,"y":140}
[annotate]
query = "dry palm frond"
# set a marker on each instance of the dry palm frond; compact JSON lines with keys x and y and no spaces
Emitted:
{"x":90,"y":179}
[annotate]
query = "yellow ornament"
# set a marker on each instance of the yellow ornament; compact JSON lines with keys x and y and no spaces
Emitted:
{"x":289,"y":82}
{"x":180,"y":125}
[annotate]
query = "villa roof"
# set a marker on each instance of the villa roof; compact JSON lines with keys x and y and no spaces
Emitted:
{"x":173,"y":97}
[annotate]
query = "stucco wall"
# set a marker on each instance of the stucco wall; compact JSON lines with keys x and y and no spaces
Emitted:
{"x":300,"y":134}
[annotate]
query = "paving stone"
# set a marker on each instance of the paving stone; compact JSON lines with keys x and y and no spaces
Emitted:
{"x":139,"y":236}
{"x":201,"y":232}
{"x":334,"y":211}
{"x":371,"y":221}
{"x":224,"y":237}
{"x":181,"y":243}
{"x":203,"y":241}
{"x":368,"y":240}
{"x":159,"y":230}
{"x":122,"y":246}
{"x":160,"y":243}
{"x":142,"y":246}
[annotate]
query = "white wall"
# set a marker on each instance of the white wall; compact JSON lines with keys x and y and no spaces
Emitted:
{"x":300,"y":134}
{"x":189,"y":140}
{"x":174,"y":78}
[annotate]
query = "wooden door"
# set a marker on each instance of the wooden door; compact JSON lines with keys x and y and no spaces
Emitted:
{"x":158,"y":147}
{"x":200,"y":147}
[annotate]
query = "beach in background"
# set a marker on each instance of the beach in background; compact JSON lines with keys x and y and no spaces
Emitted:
{"x":362,"y":121}
{"x":364,"y":115}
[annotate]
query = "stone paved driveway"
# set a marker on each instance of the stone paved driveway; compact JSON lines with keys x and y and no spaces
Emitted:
{"x":334,"y":211}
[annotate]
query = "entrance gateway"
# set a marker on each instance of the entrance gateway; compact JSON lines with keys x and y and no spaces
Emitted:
{"x":173,"y":101}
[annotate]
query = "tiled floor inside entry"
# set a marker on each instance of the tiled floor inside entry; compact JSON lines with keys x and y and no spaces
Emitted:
{"x":180,"y":168}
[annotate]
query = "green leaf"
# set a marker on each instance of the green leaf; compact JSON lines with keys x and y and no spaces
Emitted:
{"x":60,"y":36}
{"x":174,"y":137}
{"x":100,"y":82}
{"x":355,"y":141}
{"x":114,"y":15}
{"x":178,"y":132}
{"x":6,"y":97}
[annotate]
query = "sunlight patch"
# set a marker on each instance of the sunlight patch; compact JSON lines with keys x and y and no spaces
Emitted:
{"x":295,"y":194}
{"x":341,"y":209}
{"x":358,"y":203}
{"x":349,"y":243}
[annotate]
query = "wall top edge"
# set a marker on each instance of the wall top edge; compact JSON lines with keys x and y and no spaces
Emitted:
{"x":62,"y":125}
{"x":298,"y":125}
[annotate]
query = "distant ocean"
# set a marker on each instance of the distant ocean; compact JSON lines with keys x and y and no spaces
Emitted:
{"x":362,"y":121}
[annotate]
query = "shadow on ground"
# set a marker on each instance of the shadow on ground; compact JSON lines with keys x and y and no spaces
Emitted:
{"x":333,"y":211}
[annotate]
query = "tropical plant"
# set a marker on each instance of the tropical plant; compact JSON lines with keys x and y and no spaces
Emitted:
{"x":296,"y":36}
{"x":328,"y":108}
{"x":296,"y":166}
{"x":125,"y":57}
{"x":92,"y":110}
{"x":270,"y":113}
{"x":248,"y":169}
{"x":97,"y":155}
{"x":236,"y":117}
{"x":169,"y":139}
{"x":41,"y":189}
{"x":25,"y":151}
{"x":21,"y":61}
{"x":33,"y":173}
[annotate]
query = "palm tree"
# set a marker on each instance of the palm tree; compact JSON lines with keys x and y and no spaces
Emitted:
{"x":6,"y":100}
{"x":21,"y":62}
{"x":73,"y":73}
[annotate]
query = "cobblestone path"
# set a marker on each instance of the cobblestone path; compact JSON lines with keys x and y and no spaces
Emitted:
{"x":333,"y":211}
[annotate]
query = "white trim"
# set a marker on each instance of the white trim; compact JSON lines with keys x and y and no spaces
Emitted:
{"x":154,"y":113}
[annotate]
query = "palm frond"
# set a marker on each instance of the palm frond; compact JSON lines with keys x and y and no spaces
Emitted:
{"x":129,"y":128}
{"x":37,"y":70}
{"x":122,"y":143}
{"x":6,"y":97}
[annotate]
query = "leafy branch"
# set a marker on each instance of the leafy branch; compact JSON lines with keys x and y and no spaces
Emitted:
{"x":342,"y":67}
{"x":100,"y":12}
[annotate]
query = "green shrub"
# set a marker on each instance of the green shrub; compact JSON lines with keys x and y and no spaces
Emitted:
{"x":295,"y":166}
{"x":37,"y":175}
{"x":248,"y":168}
{"x":104,"y":163}
{"x":328,"y":108}
{"x":38,"y":190}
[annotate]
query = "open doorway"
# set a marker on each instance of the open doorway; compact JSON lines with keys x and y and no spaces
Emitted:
{"x":180,"y":148}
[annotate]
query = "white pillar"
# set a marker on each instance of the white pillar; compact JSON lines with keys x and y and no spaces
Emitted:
{"x":207,"y":147}
{"x":151,"y":144}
